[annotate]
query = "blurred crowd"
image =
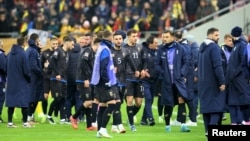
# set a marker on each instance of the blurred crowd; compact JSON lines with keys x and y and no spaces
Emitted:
{"x":61,"y":17}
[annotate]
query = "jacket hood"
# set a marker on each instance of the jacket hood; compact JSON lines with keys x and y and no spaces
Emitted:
{"x":241,"y":39}
{"x":32,"y":44}
{"x":145,"y":44}
{"x":205,"y":44}
{"x":194,"y":45}
{"x":76,"y":48}
{"x":16,"y":49}
{"x":184,"y":41}
{"x":108,"y":43}
{"x":2,"y":50}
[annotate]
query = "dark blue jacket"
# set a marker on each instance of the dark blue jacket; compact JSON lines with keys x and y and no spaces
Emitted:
{"x":149,"y":55}
{"x":72,"y":64}
{"x":238,"y":86}
{"x":36,"y":71}
{"x":210,"y":78}
{"x":103,"y":64}
{"x":2,"y":67}
{"x":180,"y":72}
{"x":18,"y":78}
{"x":190,"y":70}
{"x":194,"y":59}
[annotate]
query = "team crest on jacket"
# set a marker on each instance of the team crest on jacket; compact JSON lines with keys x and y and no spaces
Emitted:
{"x":47,"y":54}
{"x":111,"y":94}
{"x":55,"y":53}
{"x":86,"y":54}
{"x":87,"y":95}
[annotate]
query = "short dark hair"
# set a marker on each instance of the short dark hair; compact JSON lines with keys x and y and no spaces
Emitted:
{"x":150,"y":39}
{"x":34,"y":36}
{"x":178,"y":34}
{"x":99,"y":34}
{"x":106,"y":33}
{"x":68,"y":39}
{"x":97,"y":40}
{"x":20,"y":41}
{"x":131,"y":31}
{"x":168,"y":31}
{"x":52,"y":38}
{"x":211,"y":30}
{"x":88,"y":34}
{"x":228,"y":36}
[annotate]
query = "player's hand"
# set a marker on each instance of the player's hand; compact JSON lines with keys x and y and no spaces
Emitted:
{"x":142,"y":74}
{"x":195,"y":79}
{"x":58,"y":77}
{"x":86,"y":83}
{"x":46,"y":64}
{"x":108,"y":84}
{"x":222,"y":87}
{"x":137,"y":74}
{"x":146,"y":73}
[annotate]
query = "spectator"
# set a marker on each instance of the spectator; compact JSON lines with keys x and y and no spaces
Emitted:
{"x":191,"y":9}
{"x":205,"y":8}
{"x":15,"y":21}
{"x":53,"y":27}
{"x":4,"y":24}
{"x":223,"y":4}
{"x":3,"y":72}
{"x":17,"y":92}
{"x":102,"y":11}
{"x":115,"y":7}
{"x":65,"y":28}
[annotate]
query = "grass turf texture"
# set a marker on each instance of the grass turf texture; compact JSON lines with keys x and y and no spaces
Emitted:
{"x":58,"y":132}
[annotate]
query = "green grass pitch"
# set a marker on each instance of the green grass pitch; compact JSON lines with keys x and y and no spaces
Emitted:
{"x":58,"y":132}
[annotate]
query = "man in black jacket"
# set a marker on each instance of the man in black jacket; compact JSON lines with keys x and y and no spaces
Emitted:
{"x":2,"y":78}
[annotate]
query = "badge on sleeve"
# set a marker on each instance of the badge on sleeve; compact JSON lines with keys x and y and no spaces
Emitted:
{"x":55,"y":54}
{"x":86,"y":54}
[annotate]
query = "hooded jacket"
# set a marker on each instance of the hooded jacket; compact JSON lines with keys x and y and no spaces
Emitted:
{"x":18,"y":78}
{"x":72,"y":64}
{"x":210,"y":78}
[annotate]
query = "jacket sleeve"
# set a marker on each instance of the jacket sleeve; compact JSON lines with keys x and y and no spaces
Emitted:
{"x":239,"y":68}
{"x":33,"y":63}
{"x":217,"y":65}
{"x":130,"y":61}
{"x":104,"y":66}
{"x":144,"y":59}
{"x":185,"y":61}
{"x":158,"y":63}
{"x":3,"y":65}
{"x":85,"y":66}
{"x":26,"y":70}
{"x":53,"y":63}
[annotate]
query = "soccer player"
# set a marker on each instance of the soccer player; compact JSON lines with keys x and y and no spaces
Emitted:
{"x":238,"y":86}
{"x":36,"y":73}
{"x":120,"y":56}
{"x":149,"y":82}
{"x":58,"y":78}
{"x":45,"y":59}
{"x":103,"y":78}
{"x":211,"y":80}
{"x":18,"y":79}
{"x":84,"y":74}
{"x":171,"y":62}
{"x":134,"y":88}
{"x":3,"y":71}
